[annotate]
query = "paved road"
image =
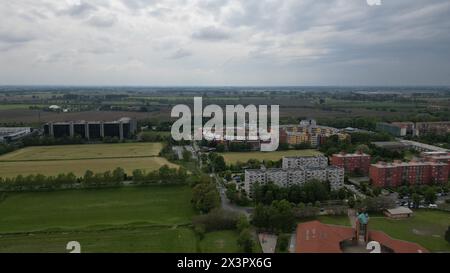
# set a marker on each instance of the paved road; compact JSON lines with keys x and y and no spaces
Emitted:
{"x":225,"y":202}
{"x":268,"y":242}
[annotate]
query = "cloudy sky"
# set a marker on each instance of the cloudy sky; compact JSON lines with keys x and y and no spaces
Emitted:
{"x":224,"y":42}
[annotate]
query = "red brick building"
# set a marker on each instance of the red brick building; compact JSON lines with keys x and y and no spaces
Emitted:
{"x":398,"y":173}
{"x":442,"y":157}
{"x":358,"y":162}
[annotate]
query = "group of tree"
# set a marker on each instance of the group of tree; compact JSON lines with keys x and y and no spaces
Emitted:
{"x":310,"y":192}
{"x":164,"y":175}
{"x":216,"y":163}
{"x":376,"y":204}
{"x":245,"y":239}
{"x":276,"y":217}
{"x":216,"y":219}
{"x":205,"y":196}
{"x":238,"y":197}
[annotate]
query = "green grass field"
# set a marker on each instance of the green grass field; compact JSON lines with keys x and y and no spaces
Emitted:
{"x":95,"y":209}
{"x":233,"y":157}
{"x":426,"y":227}
{"x":133,"y":219}
{"x":220,"y":242}
{"x":131,"y":240}
{"x":53,"y":160}
{"x":86,"y":151}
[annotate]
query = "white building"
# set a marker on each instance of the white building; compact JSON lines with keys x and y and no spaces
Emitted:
{"x":312,"y":168}
{"x":294,"y":162}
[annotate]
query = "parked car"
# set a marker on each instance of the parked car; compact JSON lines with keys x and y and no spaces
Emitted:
{"x":432,"y":206}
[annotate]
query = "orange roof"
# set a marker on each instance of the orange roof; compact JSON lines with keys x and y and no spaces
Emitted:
{"x":315,"y":237}
{"x":397,"y":246}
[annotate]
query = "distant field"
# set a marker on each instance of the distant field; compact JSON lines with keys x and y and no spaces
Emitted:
{"x":15,"y":106}
{"x":79,"y":167}
{"x":86,"y":151}
{"x":426,"y":227}
{"x":96,"y":209}
{"x":220,"y":242}
{"x":233,"y":157}
{"x":53,"y":160}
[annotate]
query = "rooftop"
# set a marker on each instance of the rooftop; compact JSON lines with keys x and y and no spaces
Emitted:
{"x":399,"y":210}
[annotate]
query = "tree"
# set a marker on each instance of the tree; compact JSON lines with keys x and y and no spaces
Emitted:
{"x":283,"y":242}
{"x":245,"y":241}
{"x":242,"y":223}
{"x":416,"y":199}
{"x":430,"y":196}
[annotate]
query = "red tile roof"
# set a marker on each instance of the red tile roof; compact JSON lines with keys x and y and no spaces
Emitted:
{"x":397,"y":246}
{"x":315,"y":237}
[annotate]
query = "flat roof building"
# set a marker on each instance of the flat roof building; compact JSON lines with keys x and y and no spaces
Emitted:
{"x":357,"y":162}
{"x":121,"y":129}
{"x":399,"y":173}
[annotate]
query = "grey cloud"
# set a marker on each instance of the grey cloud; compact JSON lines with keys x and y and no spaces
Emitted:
{"x":102,"y":21}
{"x":211,"y":34}
{"x":138,"y":4}
{"x":180,"y":54}
{"x":15,"y":38}
{"x":80,"y":10}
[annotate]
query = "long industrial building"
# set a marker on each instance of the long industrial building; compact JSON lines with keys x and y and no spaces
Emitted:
{"x":122,"y":129}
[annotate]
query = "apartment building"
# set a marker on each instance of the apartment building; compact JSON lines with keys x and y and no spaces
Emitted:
{"x":294,"y":162}
{"x":307,"y":131}
{"x":296,"y":172}
{"x":357,"y":162}
{"x":399,"y":173}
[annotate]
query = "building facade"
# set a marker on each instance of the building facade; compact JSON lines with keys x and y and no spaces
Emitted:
{"x":312,"y":168}
{"x":294,"y":162}
{"x":393,"y":129}
{"x":122,"y":129}
{"x":307,"y":131}
{"x":398,"y":173}
{"x":357,"y":162}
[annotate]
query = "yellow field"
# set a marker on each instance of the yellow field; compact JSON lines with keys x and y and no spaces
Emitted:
{"x":233,"y":157}
{"x":79,"y":167}
{"x":86,"y":151}
{"x":53,"y":160}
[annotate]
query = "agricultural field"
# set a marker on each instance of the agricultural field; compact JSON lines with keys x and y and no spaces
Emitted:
{"x":53,"y":160}
{"x":234,"y":157}
{"x":426,"y":227}
{"x":133,"y":219}
{"x":85,"y":151}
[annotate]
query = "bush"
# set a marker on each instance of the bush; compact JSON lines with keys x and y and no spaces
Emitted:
{"x":216,"y":220}
{"x":283,"y":242}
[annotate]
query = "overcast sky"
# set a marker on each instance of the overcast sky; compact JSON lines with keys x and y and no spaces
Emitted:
{"x":225,"y":42}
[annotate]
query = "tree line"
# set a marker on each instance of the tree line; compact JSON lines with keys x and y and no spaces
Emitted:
{"x":115,"y":178}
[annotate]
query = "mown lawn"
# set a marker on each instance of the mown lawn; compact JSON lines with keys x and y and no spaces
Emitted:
{"x":96,"y":209}
{"x":220,"y":242}
{"x":426,"y":227}
{"x":134,"y":240}
{"x":233,"y":157}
